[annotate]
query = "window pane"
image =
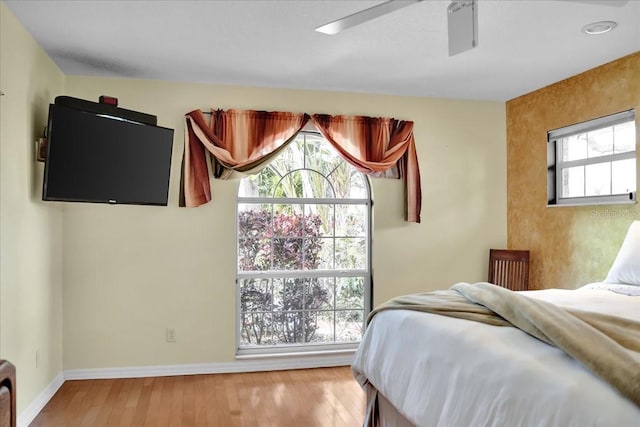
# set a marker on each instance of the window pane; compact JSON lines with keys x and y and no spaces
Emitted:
{"x":340,"y":179}
{"x":296,"y":326}
{"x":319,"y":220}
{"x":256,"y":299}
{"x":290,"y":186}
{"x":289,"y":294}
{"x":304,"y":183}
{"x":598,"y":179}
{"x":324,"y":331}
{"x":573,"y":182}
{"x":320,"y":156}
{"x":320,"y":294}
{"x":256,"y":295}
{"x":257,"y":329}
{"x":317,"y":295}
{"x":624,"y":137}
{"x":254,"y":254}
{"x":351,"y":253}
{"x":300,"y":293}
{"x":315,"y":185}
{"x":311,"y":321}
{"x":302,"y":306}
{"x":291,"y":158}
{"x":349,"y":325}
{"x":292,"y":327}
{"x":358,"y":186}
{"x":351,"y":220}
{"x":312,"y":249}
{"x":260,"y":185}
{"x":350,"y":292}
{"x":574,"y":147}
{"x":623,"y":176}
{"x":254,"y":220}
{"x":600,"y":142}
{"x":287,"y":220}
{"x":287,"y":254}
{"x":318,"y":253}
{"x":278,"y":294}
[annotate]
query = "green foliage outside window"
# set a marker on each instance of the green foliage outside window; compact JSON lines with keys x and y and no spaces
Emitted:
{"x":286,"y":314}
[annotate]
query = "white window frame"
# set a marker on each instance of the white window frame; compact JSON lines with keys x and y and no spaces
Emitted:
{"x":366,"y":273}
{"x":555,"y":164}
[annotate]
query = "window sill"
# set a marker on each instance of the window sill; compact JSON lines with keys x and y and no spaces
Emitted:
{"x":614,"y":203}
{"x":297,"y":354}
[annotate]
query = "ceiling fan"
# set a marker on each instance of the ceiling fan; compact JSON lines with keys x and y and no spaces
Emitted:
{"x":462,"y":20}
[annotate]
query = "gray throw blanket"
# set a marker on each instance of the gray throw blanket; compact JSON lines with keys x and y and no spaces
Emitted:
{"x":609,"y":346}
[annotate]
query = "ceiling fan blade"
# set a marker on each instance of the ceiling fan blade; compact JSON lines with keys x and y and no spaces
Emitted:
{"x":334,"y":27}
{"x":462,"y":20}
{"x":617,"y":3}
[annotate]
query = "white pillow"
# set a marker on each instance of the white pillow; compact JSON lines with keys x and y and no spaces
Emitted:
{"x":626,"y":267}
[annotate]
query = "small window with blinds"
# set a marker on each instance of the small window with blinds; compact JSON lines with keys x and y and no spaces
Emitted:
{"x":593,"y":162}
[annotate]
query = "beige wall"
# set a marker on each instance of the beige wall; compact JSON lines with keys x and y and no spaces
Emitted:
{"x":30,"y":230}
{"x":570,"y":246}
{"x":131,"y":272}
{"x":126,"y":273}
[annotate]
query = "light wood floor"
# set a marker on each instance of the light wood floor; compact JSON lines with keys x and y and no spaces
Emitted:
{"x":324,"y":397}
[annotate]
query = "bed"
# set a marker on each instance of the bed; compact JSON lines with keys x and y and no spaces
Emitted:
{"x":419,"y":368}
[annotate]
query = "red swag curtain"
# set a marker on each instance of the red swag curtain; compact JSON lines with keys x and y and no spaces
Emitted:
{"x":238,"y":140}
{"x":245,"y":140}
{"x":377,"y":144}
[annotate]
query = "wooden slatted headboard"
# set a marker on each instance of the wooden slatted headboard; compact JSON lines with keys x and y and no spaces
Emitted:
{"x":509,"y":269}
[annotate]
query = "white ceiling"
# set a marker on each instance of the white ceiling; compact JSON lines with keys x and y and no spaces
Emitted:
{"x":523,"y":44}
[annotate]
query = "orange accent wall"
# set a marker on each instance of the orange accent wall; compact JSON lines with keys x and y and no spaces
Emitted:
{"x":570,"y":246}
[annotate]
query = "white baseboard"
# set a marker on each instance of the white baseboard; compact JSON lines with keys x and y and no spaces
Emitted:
{"x":240,"y":365}
{"x":31,"y":412}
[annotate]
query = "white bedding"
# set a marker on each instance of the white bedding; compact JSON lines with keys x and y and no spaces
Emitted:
{"x":443,"y":371}
{"x":620,"y":288}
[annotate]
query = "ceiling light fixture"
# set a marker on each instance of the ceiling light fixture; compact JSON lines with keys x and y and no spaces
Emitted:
{"x":599,"y":27}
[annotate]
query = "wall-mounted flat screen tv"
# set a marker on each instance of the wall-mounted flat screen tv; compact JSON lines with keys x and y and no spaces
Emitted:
{"x":98,"y":153}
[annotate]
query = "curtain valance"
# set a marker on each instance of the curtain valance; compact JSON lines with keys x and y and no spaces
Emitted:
{"x":238,"y":141}
{"x":377,"y":144}
{"x":246,"y":140}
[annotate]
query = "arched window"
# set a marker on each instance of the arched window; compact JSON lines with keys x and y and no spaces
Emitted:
{"x":303,"y":276}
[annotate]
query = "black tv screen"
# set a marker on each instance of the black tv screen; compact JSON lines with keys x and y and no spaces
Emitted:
{"x":96,"y":157}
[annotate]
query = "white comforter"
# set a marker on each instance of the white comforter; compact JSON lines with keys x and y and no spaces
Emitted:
{"x":443,"y":371}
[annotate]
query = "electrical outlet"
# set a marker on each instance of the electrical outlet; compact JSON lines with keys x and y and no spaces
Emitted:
{"x":171,"y":335}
